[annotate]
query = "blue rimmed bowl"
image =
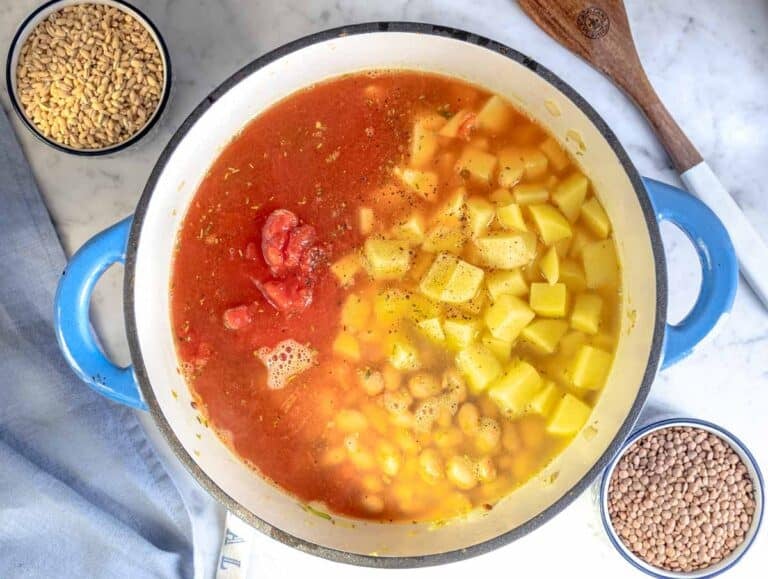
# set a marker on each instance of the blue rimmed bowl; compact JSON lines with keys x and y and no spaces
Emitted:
{"x":757,"y":485}
{"x":30,"y":23}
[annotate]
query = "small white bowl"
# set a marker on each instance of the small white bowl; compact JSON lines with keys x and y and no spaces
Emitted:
{"x":758,"y":490}
{"x":41,"y":13}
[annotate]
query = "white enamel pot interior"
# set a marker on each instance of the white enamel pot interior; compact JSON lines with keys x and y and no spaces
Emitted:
{"x":392,"y":46}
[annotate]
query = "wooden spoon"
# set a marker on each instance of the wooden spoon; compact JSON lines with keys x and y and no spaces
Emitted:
{"x":598,"y":31}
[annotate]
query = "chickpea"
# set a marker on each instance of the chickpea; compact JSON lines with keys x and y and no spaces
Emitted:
{"x":485,"y":470}
{"x":510,"y":438}
{"x":488,"y":434}
{"x":351,"y":421}
{"x":397,"y":402}
{"x":372,"y":381}
{"x":448,"y":438}
{"x":372,"y":503}
{"x":392,"y":378}
{"x":427,"y":411}
{"x":468,"y":418}
{"x":334,"y":456}
{"x":389,"y":458}
{"x":488,"y":407}
{"x":372,"y":483}
{"x":430,"y":465}
{"x":454,"y":385}
{"x":460,"y":471}
{"x":423,"y":385}
{"x":362,"y":460}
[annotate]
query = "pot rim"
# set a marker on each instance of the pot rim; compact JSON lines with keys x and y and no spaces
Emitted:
{"x":251,"y":518}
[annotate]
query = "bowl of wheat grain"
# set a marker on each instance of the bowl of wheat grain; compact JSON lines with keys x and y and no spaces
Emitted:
{"x":88,"y":77}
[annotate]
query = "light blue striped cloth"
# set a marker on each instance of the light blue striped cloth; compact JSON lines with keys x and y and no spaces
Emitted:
{"x":82,"y":492}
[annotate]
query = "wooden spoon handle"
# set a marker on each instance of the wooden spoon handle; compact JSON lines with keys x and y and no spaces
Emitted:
{"x":680,"y":149}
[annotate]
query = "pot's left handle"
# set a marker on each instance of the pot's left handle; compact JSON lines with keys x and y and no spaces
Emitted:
{"x":76,"y":337}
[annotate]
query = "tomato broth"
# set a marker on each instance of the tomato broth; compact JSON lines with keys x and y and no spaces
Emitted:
{"x":395,"y":296}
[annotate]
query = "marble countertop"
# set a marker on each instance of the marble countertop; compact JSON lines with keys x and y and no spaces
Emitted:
{"x":707,"y":59}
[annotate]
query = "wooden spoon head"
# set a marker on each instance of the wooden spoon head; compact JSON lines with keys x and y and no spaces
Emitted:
{"x":596,"y":30}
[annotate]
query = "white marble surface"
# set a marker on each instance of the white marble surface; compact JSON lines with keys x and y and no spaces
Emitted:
{"x":709,"y":62}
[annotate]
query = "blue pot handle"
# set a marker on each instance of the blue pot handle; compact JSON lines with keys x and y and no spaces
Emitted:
{"x":72,"y":322}
{"x":719,"y":266}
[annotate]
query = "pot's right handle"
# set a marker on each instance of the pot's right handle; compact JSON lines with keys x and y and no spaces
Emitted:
{"x":72,"y":322}
{"x":719,"y":267}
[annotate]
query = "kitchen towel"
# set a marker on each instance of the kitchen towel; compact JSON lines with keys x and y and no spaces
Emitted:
{"x":82,"y":492}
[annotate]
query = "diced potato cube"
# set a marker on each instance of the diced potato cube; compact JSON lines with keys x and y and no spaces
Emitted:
{"x":506,"y":250}
{"x":451,"y":128}
{"x":424,"y":183}
{"x":589,"y":368}
{"x":569,"y":416}
{"x":593,"y":214}
{"x":345,"y":269}
{"x":480,"y":367}
{"x":581,"y":237}
{"x":460,"y":332}
{"x":586,"y":313}
{"x":387,"y":258}
{"x":514,"y":391}
{"x":446,"y":236}
{"x":571,"y":343}
{"x":438,"y":275}
{"x":502,"y":349}
{"x":424,"y":145}
{"x":474,"y":306}
{"x":480,"y":213}
{"x":507,"y":317}
{"x":516,"y":162}
{"x":454,"y":206}
{"x":572,"y":276}
{"x":550,"y":223}
{"x":544,"y":335}
{"x":477,"y":163}
{"x":494,"y":116}
{"x":432,"y":121}
{"x":355,"y":313}
{"x":563,"y":247}
{"x":410,"y":230}
{"x":432,"y":328}
{"x":501,"y":196}
{"x":403,"y":355}
{"x":451,"y":280}
{"x":511,"y":167}
{"x":550,"y":301}
{"x":546,"y":398}
{"x":510,"y":282}
{"x":530,"y":193}
{"x":601,"y":267}
{"x":510,"y":216}
{"x":558,"y":158}
{"x":569,"y":195}
{"x":463,"y":284}
{"x":420,"y":265}
{"x":392,"y":304}
{"x":550,"y":266}
{"x":345,"y":345}
{"x":365,"y":219}
{"x":535,"y":163}
{"x":479,"y":142}
{"x":604,"y":340}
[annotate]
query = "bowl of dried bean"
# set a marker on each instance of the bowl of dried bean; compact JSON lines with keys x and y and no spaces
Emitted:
{"x":88,"y":77}
{"x":684,"y":498}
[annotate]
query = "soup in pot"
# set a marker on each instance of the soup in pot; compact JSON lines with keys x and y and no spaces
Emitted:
{"x":395,"y":296}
